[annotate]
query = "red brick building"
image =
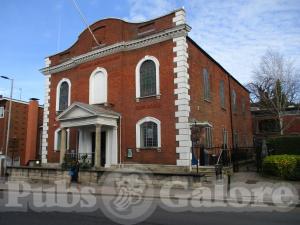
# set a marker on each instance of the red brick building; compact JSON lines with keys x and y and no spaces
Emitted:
{"x":133,"y":97}
{"x":25,"y":130}
{"x":266,"y":124}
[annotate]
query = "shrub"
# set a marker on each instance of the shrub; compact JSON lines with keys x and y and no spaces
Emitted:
{"x":284,"y":166}
{"x":285,"y":145}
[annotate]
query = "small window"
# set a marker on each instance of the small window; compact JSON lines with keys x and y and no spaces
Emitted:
{"x":1,"y":112}
{"x":206,"y":82}
{"x":234,"y":107}
{"x":222,"y":94}
{"x":149,"y":135}
{"x":208,"y":137}
{"x":148,"y":78}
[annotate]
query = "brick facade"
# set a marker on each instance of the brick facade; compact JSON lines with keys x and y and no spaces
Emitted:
{"x":123,"y":45}
{"x":18,"y":130}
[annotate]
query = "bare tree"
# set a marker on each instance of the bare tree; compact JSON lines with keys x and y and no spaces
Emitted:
{"x":275,"y":85}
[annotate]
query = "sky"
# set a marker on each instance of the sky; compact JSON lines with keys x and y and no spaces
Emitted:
{"x":235,"y":33}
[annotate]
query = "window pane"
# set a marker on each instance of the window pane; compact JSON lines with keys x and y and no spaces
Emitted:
{"x":149,"y":134}
{"x":1,"y":112}
{"x":148,"y":78}
{"x":206,"y":84}
{"x":64,"y":96}
{"x":222,"y":94}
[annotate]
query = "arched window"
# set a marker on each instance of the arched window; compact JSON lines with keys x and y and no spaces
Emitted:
{"x":63,"y":92}
{"x":98,"y":86}
{"x":147,"y":77}
{"x":148,"y":134}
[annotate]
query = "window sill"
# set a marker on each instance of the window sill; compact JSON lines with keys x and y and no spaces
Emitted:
{"x":148,"y":97}
{"x":148,"y":148}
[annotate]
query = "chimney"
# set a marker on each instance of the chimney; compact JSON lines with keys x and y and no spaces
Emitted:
{"x":32,"y":130}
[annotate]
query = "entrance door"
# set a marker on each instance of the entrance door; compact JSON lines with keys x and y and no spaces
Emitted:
{"x":103,"y":148}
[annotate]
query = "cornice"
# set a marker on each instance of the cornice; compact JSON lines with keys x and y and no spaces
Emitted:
{"x":118,"y":47}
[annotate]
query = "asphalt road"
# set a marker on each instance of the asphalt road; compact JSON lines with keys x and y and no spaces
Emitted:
{"x":227,"y":215}
{"x":159,"y":217}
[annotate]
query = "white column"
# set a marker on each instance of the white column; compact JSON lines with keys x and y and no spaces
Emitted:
{"x":63,"y":145}
{"x":98,"y":146}
{"x":114,"y":147}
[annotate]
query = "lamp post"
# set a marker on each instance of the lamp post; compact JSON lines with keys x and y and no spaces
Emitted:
{"x":9,"y":117}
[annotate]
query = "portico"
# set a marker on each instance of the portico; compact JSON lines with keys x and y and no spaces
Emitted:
{"x":97,"y":132}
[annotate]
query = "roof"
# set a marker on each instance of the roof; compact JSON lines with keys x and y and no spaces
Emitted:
{"x":93,"y":110}
{"x":218,"y":64}
{"x":97,"y":109}
{"x":17,"y":101}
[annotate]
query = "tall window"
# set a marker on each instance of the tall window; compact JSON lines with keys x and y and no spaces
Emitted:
{"x":206,"y":82}
{"x":149,"y":135}
{"x":208,"y":137}
{"x":234,"y":103}
{"x":243,"y":107}
{"x":1,"y":112}
{"x":222,"y":94}
{"x":225,"y":137}
{"x":57,"y":139}
{"x":63,"y":92}
{"x":98,"y":86}
{"x":235,"y":139}
{"x":148,"y":78}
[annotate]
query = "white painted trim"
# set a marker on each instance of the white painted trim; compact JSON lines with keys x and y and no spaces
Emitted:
{"x":91,"y":87}
{"x":56,"y":137}
{"x":58,"y":92}
{"x":138,"y":130}
{"x":137,"y":75}
{"x":181,"y":79}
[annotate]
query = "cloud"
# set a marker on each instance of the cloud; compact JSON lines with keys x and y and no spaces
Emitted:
{"x":146,"y":9}
{"x":235,"y":33}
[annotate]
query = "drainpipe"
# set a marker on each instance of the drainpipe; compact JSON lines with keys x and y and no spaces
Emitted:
{"x":120,"y":140}
{"x":230,"y":110}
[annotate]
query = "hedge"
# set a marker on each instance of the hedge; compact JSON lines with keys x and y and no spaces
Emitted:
{"x":284,"y":166}
{"x":285,"y":145}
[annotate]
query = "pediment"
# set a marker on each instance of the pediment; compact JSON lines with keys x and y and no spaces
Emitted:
{"x":75,"y":112}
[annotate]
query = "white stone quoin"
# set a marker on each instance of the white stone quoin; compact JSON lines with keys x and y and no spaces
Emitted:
{"x":46,"y":115}
{"x":181,"y":79}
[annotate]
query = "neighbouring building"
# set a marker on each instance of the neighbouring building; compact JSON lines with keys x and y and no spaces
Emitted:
{"x":266,"y":124}
{"x":25,"y":130}
{"x":133,"y":98}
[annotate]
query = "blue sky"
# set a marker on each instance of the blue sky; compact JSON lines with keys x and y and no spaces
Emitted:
{"x":236,"y":33}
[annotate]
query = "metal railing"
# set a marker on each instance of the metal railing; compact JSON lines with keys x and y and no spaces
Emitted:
{"x":86,"y":160}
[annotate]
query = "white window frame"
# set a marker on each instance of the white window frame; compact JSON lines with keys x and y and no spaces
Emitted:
{"x":2,"y":115}
{"x":56,"y":139}
{"x":91,"y":87}
{"x":58,"y":92}
{"x":138,"y":130}
{"x":137,"y":75}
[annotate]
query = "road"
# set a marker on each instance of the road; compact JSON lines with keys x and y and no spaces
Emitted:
{"x":159,"y":216}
